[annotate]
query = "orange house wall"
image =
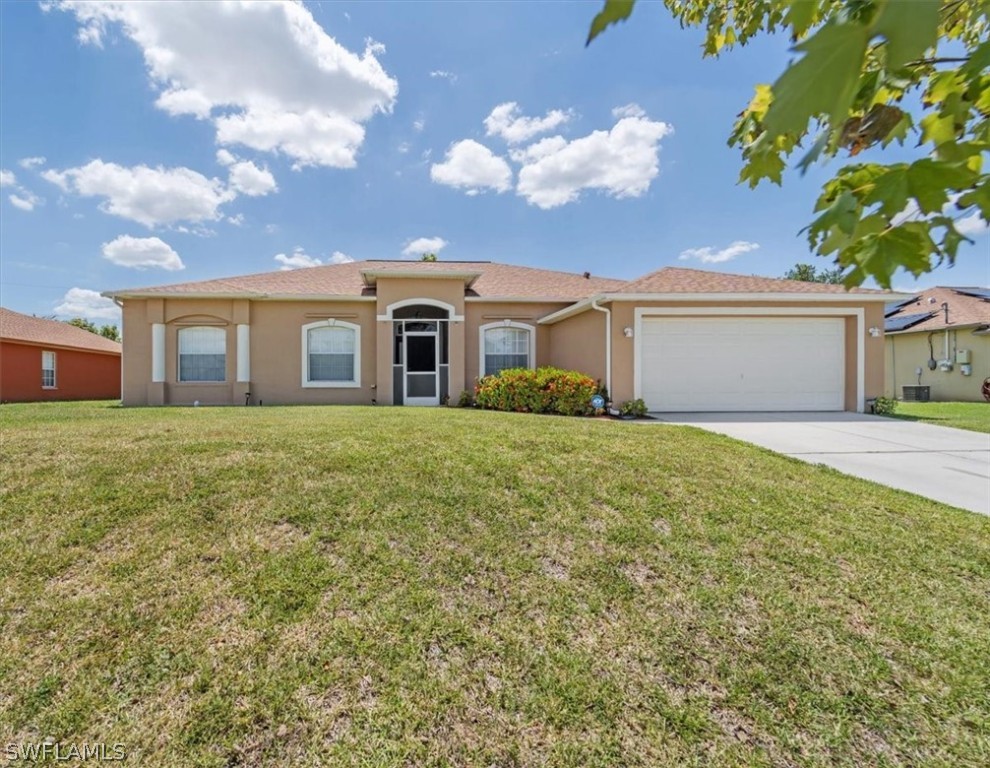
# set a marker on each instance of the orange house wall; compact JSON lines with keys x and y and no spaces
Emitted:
{"x":79,"y":375}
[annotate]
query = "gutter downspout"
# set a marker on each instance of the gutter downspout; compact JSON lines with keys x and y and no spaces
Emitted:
{"x":608,"y":341}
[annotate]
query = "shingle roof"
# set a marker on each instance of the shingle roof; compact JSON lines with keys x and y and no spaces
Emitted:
{"x":36,"y":330}
{"x":681,"y":280}
{"x":494,"y":280}
{"x":964,"y":310}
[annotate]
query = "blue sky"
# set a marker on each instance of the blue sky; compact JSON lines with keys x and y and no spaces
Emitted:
{"x":143,"y":145}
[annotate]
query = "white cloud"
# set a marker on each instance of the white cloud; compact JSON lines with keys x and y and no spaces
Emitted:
{"x":266,"y":73}
{"x":419,"y":124}
{"x":299,"y":259}
{"x":31,"y":162}
{"x":421,"y":245}
{"x":82,"y":302}
{"x":444,"y":75}
{"x":224,"y":157}
{"x":972,"y":225}
{"x":249,"y":179}
{"x":505,"y":121}
{"x":628,"y":110}
{"x":142,"y":253}
{"x":404,"y":147}
{"x":708,"y":255}
{"x":7,"y":178}
{"x":24,"y":199}
{"x":149,"y":196}
{"x":622,"y":162}
{"x":474,"y":166}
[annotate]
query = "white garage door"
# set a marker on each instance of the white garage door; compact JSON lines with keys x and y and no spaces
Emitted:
{"x":742,"y":364}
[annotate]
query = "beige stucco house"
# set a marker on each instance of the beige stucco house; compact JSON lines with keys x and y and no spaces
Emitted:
{"x":939,"y":340}
{"x":415,"y":333}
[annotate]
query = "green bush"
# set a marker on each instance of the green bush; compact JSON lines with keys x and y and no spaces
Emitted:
{"x":466,"y":400}
{"x":633,"y":408}
{"x":545,"y":390}
{"x":884,"y":406}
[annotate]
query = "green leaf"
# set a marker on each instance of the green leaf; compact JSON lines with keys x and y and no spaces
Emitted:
{"x":908,"y":246}
{"x":613,"y":12}
{"x":890,"y":189}
{"x":978,"y":196}
{"x":801,"y":14}
{"x":824,"y":81}
{"x":910,"y":28}
{"x":929,"y":182}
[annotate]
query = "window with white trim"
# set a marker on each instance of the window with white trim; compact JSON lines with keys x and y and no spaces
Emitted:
{"x":47,"y":370}
{"x":203,"y":354}
{"x":506,"y":346}
{"x":331,"y":354}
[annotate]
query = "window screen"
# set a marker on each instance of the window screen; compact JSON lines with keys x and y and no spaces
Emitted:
{"x":202,"y":354}
{"x":48,"y":369}
{"x":330,"y":354}
{"x":506,"y":348}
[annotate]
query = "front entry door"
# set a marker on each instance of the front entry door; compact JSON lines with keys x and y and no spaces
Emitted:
{"x":421,"y":378}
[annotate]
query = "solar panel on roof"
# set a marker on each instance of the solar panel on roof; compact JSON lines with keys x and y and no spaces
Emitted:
{"x":902,"y":322}
{"x":979,"y":293}
{"x":891,"y":307}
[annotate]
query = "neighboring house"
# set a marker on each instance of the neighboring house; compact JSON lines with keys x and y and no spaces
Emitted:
{"x":939,"y":339}
{"x":415,"y":333}
{"x":48,"y":360}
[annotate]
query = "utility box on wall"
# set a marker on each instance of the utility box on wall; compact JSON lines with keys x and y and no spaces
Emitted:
{"x":963,"y":357}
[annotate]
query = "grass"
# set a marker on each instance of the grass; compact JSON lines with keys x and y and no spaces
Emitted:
{"x":432,"y":587}
{"x":971,"y":416}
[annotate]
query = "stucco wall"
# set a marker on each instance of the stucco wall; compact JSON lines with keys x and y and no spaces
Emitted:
{"x":906,"y":352}
{"x":578,"y":344}
{"x":79,"y":375}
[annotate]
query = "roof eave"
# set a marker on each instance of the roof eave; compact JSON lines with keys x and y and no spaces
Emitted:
{"x":776,"y":296}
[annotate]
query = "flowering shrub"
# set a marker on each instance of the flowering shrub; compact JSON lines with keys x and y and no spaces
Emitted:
{"x":545,"y":390}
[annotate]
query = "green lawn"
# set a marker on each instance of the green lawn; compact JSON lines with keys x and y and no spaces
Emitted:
{"x":972,"y":416}
{"x":433,"y":587}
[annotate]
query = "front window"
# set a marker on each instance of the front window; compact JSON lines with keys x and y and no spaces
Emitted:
{"x":331,"y":354}
{"x":202,"y":354}
{"x":506,"y":347}
{"x":48,"y":370}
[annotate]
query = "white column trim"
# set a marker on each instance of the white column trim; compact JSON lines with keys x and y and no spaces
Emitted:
{"x":243,"y":353}
{"x":157,"y":353}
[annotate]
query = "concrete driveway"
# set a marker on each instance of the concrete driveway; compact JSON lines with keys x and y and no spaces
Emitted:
{"x":940,"y":463}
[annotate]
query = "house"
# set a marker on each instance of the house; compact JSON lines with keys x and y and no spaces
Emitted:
{"x":938,"y":345}
{"x":47,"y":360}
{"x":416,"y":333}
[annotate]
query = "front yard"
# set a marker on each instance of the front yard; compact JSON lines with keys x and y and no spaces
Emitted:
{"x":391,"y":587}
{"x":971,"y":416}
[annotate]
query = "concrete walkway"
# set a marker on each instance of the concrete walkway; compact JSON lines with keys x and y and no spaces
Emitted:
{"x":940,"y":463}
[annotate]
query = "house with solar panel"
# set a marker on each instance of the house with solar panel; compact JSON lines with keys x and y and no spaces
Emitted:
{"x":938,"y":345}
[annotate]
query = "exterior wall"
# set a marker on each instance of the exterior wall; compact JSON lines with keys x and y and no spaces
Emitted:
{"x":623,"y":315}
{"x":578,"y":344}
{"x":481,"y":313}
{"x":906,"y":352}
{"x":79,"y":375}
{"x":275,"y":351}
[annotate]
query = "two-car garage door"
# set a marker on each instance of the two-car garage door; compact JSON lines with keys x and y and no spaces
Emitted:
{"x":742,"y":363}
